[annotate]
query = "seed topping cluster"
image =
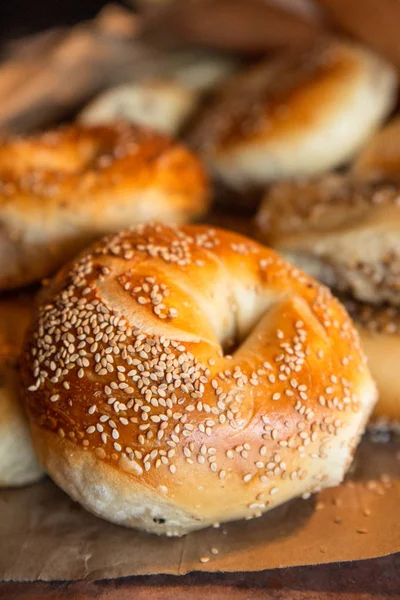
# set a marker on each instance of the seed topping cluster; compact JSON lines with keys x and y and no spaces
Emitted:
{"x":151,"y":403}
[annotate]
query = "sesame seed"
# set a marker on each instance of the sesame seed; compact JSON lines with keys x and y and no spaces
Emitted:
{"x":151,"y":391}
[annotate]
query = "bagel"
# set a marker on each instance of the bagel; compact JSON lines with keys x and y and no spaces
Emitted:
{"x":379,"y":329}
{"x":344,"y":232}
{"x":138,"y":413}
{"x":63,"y":189}
{"x":161,"y":103}
{"x":293,"y":116}
{"x":380,"y":158}
{"x":18,"y":464}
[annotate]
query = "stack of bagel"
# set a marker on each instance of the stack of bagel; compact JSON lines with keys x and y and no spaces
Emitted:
{"x":175,"y":375}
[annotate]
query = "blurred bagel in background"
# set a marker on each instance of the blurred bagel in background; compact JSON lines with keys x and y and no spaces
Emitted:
{"x":296,"y":115}
{"x":65,"y":188}
{"x":18,"y":464}
{"x":343,"y":232}
{"x":161,"y":103}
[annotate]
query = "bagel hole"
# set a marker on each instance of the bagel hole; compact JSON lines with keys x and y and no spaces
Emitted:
{"x":234,"y":343}
{"x":249,"y":308}
{"x":230,"y":345}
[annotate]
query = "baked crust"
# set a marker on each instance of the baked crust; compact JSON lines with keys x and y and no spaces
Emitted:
{"x":139,"y":413}
{"x":296,"y":115}
{"x":61,"y":190}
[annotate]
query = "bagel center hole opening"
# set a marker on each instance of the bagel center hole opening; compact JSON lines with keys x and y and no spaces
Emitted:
{"x":233,"y":343}
{"x":242,"y":329}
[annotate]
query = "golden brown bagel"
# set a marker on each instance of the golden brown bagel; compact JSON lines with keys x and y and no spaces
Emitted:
{"x":344,"y":232}
{"x":379,"y":329}
{"x":63,"y":189}
{"x":296,"y":115}
{"x":380,"y":158}
{"x":138,"y":414}
{"x":18,"y":464}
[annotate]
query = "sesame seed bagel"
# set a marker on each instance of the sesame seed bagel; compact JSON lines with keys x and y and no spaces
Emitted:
{"x":18,"y":464}
{"x":65,"y":188}
{"x":294,"y":116}
{"x":379,"y":329}
{"x":138,"y":412}
{"x":344,"y":232}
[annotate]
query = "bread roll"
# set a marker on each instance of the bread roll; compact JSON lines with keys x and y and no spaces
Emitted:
{"x":18,"y":464}
{"x":140,"y":414}
{"x":379,"y":329}
{"x":344,"y":232}
{"x":65,"y":188}
{"x":294,"y":116}
{"x":380,"y":158}
{"x":161,"y":103}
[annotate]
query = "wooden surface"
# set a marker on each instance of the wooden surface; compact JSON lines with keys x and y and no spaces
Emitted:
{"x":376,"y":579}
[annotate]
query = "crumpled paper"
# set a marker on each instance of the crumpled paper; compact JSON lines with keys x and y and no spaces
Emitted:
{"x":46,"y":536}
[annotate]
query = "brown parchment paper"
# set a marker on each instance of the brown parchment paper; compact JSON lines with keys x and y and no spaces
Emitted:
{"x":44,"y":535}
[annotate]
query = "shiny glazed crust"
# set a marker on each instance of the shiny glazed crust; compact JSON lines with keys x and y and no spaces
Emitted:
{"x":296,"y":115}
{"x":140,"y":413}
{"x":63,"y":189}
